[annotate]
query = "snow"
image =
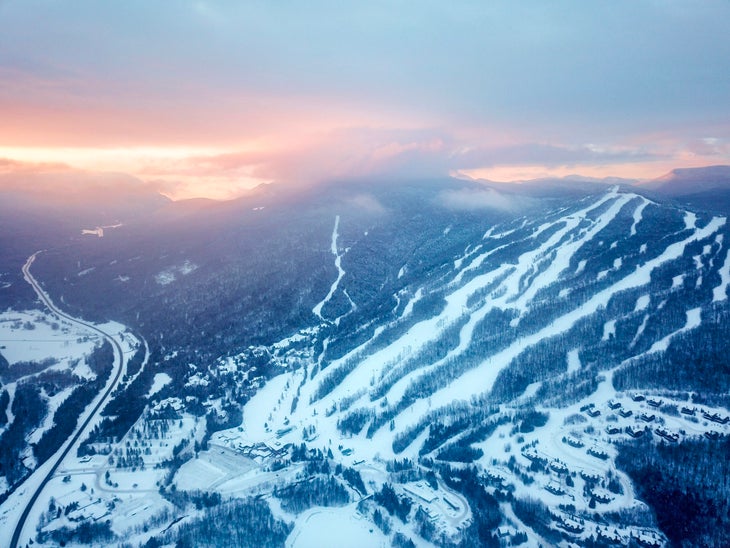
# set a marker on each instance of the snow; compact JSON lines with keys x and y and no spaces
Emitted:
{"x":642,"y":249}
{"x":65,"y":344}
{"x":165,"y":277}
{"x":639,"y":331}
{"x":693,"y":320}
{"x":213,"y":468}
{"x":609,"y":328}
{"x":574,"y":360}
{"x":581,"y":266}
{"x":514,"y":288}
{"x":642,"y":302}
{"x":409,"y":306}
{"x":187,"y":267}
{"x":476,"y":263}
{"x":565,"y":251}
{"x":638,"y":215}
{"x":481,"y":378}
{"x":53,"y":403}
{"x":317,"y":310}
{"x":334,"y":527}
{"x":158,"y":383}
{"x":371,"y":368}
{"x":169,"y":275}
{"x":677,"y":281}
{"x":719,"y":293}
{"x":13,"y":506}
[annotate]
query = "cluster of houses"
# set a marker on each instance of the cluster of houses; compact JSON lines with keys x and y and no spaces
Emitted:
{"x":637,"y":431}
{"x":663,"y":418}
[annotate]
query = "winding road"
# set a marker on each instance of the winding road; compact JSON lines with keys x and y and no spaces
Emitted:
{"x":80,"y":430}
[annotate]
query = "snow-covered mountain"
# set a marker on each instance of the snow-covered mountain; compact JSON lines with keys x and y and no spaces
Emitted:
{"x":432,"y":363}
{"x":686,"y":181}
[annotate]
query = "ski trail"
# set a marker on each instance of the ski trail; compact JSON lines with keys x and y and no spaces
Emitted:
{"x":317,"y":310}
{"x":719,"y":293}
{"x":480,"y":379}
{"x":638,"y":216}
{"x":573,"y":360}
{"x":561,"y":262}
{"x":418,"y":336}
{"x":423,"y":332}
{"x":693,"y":320}
{"x":639,"y":331}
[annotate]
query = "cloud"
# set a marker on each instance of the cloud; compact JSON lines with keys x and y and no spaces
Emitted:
{"x":50,"y":179}
{"x":218,"y":70}
{"x":468,"y":199}
{"x":362,"y":152}
{"x":10,"y":166}
{"x":366,"y":203}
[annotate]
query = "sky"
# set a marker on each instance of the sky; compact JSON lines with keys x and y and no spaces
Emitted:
{"x":209,"y":98}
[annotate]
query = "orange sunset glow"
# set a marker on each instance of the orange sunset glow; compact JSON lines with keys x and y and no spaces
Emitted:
{"x":211,"y":99}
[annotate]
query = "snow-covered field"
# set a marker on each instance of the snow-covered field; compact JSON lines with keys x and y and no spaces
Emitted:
{"x":343,"y":525}
{"x":37,"y":336}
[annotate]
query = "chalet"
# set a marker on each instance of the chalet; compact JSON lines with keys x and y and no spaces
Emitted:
{"x":590,"y":477}
{"x":716,"y":417}
{"x":712,"y":435}
{"x":625,"y":413}
{"x":689,"y":411}
{"x":667,"y":435}
{"x":598,"y":453}
{"x":504,"y":532}
{"x":647,"y":539}
{"x":531,"y":455}
{"x":638,"y":397}
{"x":559,"y":467}
{"x":654,"y":402}
{"x":593,"y":412}
{"x":587,"y":407}
{"x":612,"y":404}
{"x":494,"y":479}
{"x":611,"y":430}
{"x":602,"y":497}
{"x":571,"y":526}
{"x":635,"y":431}
{"x":647,"y":418}
{"x":609,"y":537}
{"x":573,"y":442}
{"x":554,"y":489}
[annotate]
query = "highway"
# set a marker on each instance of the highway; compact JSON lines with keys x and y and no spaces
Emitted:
{"x":80,"y":430}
